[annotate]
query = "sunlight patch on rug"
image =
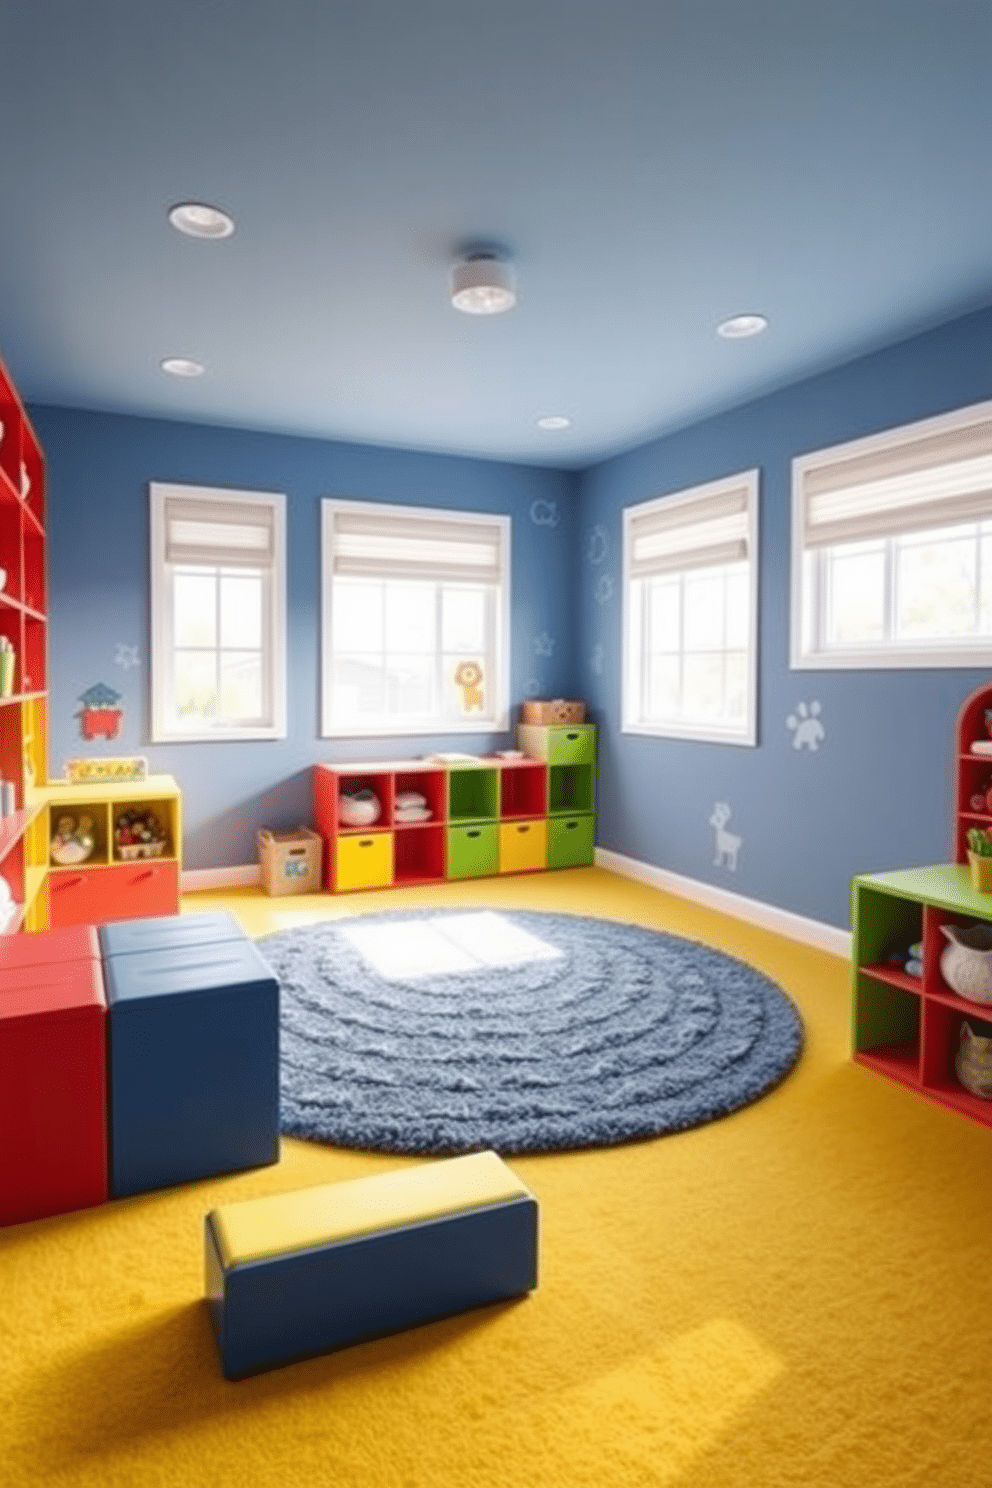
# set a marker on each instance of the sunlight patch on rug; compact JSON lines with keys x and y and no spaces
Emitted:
{"x":445,"y":945}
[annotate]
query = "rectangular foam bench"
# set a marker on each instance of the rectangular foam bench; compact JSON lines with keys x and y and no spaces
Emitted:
{"x":168,"y":932}
{"x":292,"y":1275}
{"x":48,"y":947}
{"x":53,"y":1088}
{"x":194,"y":1063}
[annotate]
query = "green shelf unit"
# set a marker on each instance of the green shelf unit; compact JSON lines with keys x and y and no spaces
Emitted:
{"x":905,"y":1027}
{"x":473,"y":794}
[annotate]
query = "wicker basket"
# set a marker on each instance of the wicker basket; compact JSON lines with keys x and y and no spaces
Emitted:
{"x":553,"y":710}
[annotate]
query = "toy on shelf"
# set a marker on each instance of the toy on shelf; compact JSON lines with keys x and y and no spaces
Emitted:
{"x":973,"y":1062}
{"x":73,"y":843}
{"x":106,"y":768}
{"x":358,"y":807}
{"x":138,"y":834}
{"x":966,"y":961}
{"x":411,"y":806}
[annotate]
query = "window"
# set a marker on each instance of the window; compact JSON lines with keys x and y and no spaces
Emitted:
{"x":690,"y":594}
{"x":415,"y":620}
{"x":892,"y":547}
{"x":218,"y":614}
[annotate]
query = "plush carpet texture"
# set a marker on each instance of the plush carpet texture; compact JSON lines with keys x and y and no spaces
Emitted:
{"x":426,"y":1032}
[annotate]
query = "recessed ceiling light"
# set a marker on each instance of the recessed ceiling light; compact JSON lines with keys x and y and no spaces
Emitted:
{"x":554,"y":421}
{"x":183,"y":367}
{"x":482,"y":285}
{"x":198,"y":220}
{"x":740,"y":326}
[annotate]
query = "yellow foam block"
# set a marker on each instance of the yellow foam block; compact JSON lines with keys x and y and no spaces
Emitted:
{"x":279,"y":1224}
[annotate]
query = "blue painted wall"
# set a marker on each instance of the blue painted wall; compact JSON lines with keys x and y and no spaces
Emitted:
{"x":877,"y":793}
{"x":99,"y":467}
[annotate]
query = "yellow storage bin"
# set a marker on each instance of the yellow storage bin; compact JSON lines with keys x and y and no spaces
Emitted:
{"x":364,"y":862}
{"x":523,"y":846}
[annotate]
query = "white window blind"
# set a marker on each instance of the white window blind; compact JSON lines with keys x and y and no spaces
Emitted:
{"x":928,"y":476}
{"x":700,"y":532}
{"x":232,"y":534}
{"x":393,"y":546}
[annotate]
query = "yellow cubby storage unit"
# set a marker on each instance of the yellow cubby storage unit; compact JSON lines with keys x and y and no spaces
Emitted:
{"x":116,"y":879}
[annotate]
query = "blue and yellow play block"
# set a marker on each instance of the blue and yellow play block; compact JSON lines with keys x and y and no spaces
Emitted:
{"x":297,"y":1274}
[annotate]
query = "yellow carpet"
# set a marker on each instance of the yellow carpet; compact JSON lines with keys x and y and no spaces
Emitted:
{"x":796,"y":1295}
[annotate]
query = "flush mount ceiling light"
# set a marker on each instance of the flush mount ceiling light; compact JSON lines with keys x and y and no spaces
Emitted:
{"x":553,"y":422}
{"x":740,"y":326}
{"x":197,"y":220}
{"x":482,"y":285}
{"x":182,"y":367}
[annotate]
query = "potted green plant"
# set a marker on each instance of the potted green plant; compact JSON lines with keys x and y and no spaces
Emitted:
{"x":980,"y":858}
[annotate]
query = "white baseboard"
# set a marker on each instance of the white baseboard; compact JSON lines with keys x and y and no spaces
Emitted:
{"x":200,"y":880}
{"x":782,"y":921}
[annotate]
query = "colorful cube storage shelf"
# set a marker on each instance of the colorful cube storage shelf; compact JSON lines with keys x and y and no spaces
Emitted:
{"x":53,"y":1094}
{"x":194,"y":1054}
{"x":484,"y":816}
{"x":292,"y":1275}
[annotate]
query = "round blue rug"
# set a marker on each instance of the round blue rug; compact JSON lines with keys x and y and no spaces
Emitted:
{"x":446,"y":1032}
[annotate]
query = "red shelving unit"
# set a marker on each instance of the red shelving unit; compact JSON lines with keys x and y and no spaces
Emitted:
{"x":973,"y":772}
{"x":23,"y":624}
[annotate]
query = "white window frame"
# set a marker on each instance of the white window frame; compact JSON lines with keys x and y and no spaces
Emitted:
{"x":497,"y":688}
{"x":927,"y":475}
{"x":737,"y":496}
{"x":165,"y":726}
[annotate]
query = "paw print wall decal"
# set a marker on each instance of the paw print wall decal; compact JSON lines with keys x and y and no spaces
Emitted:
{"x":807,"y":730}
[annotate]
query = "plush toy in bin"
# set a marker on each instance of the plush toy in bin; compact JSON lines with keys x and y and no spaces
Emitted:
{"x":138,"y":834}
{"x":73,"y":842}
{"x":358,"y":807}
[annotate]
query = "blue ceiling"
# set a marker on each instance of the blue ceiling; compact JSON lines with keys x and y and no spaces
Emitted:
{"x":650,"y":166}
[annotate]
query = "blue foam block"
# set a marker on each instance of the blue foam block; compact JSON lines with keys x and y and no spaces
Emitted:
{"x":193,"y":1070}
{"x":168,"y":932}
{"x":287,"y":1307}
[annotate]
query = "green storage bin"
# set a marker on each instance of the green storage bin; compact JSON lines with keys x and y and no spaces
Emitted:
{"x":574,"y":745}
{"x":473,"y":851}
{"x":559,"y":743}
{"x":570,"y":790}
{"x":571,"y":841}
{"x":473,"y":794}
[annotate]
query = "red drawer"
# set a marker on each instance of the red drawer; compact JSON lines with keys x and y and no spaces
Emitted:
{"x":91,"y":896}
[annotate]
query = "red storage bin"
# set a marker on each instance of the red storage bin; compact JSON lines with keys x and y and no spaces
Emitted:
{"x":53,"y":1088}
